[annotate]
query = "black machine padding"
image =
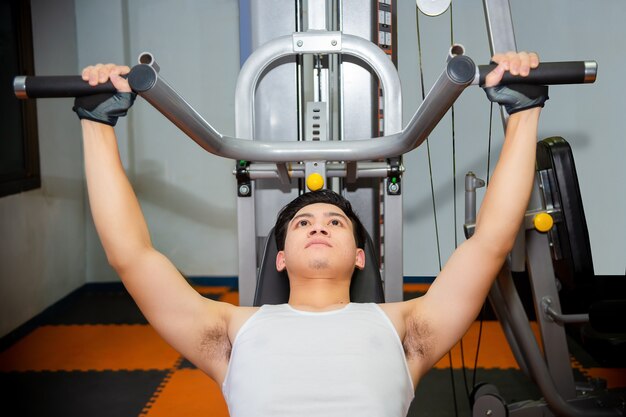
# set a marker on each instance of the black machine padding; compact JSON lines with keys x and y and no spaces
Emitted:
{"x":576,"y":266}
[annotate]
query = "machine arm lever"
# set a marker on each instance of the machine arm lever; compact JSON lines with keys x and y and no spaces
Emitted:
{"x":457,"y":75}
{"x":144,"y":79}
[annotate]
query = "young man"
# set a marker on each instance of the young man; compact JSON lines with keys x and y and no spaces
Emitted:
{"x":318,"y":355}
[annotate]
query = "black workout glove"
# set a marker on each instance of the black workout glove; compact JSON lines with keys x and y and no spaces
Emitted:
{"x":518,"y":97}
{"x":104,"y":108}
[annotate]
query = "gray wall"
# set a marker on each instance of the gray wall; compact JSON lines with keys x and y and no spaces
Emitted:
{"x":42,"y":255}
{"x":48,"y":244}
{"x":586,"y":115}
{"x":187,"y":195}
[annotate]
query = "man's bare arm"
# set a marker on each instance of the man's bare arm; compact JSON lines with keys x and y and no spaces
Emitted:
{"x":184,"y":318}
{"x":453,"y":301}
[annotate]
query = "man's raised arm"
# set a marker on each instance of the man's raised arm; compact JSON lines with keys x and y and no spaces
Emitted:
{"x":171,"y":305}
{"x":456,"y":296}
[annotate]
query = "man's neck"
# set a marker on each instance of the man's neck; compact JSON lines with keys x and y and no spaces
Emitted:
{"x":318,"y":294}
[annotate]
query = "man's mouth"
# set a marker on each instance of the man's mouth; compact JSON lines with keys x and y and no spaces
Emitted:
{"x":318,"y":243}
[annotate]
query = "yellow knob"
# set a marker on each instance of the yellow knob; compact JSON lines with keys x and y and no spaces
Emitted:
{"x":543,"y":222}
{"x":315,"y":182}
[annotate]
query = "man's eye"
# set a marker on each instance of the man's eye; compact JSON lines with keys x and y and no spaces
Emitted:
{"x":335,"y":222}
{"x":303,"y":222}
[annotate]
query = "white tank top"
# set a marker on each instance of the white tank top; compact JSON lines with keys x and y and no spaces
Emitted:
{"x":347,"y":362}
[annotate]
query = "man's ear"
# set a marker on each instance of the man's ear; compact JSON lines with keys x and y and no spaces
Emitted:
{"x":280,"y":261}
{"x":360,"y":258}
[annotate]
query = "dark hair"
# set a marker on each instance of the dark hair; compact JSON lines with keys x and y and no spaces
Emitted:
{"x":323,"y":196}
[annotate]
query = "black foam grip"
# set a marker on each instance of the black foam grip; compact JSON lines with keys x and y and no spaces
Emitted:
{"x":62,"y":86}
{"x":547,"y":73}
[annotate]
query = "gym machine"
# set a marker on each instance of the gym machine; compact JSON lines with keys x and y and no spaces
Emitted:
{"x":554,"y":233}
{"x":264,"y":157}
{"x":317,"y":52}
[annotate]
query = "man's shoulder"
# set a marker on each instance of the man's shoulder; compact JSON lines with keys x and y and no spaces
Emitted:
{"x":238,"y":316}
{"x":400,"y":309}
{"x":238,"y":313}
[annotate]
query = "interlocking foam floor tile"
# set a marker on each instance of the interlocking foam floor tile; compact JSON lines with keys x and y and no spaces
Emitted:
{"x":230,"y":297}
{"x":94,"y":306}
{"x":189,"y":392}
{"x":89,"y":347}
{"x":494,"y":349}
{"x":77,"y":394}
{"x":615,"y":377}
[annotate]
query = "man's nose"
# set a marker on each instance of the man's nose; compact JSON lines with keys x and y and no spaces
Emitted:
{"x":318,"y":228}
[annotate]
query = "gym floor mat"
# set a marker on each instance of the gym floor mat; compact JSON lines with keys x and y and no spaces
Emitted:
{"x":93,"y":354}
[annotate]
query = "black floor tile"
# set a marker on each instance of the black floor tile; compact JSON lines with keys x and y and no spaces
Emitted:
{"x":185,"y":364}
{"x":98,"y":307}
{"x":77,"y":394}
{"x":434,"y":395}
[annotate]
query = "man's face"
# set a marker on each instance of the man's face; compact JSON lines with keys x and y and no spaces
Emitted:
{"x":320,"y":244}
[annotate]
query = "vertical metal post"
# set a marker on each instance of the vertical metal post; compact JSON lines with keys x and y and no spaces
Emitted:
{"x":341,"y":86}
{"x":358,"y":105}
{"x":499,"y":26}
{"x":504,"y":299}
{"x":501,"y":33}
{"x":275,"y":116}
{"x":393,"y":268}
{"x":543,"y":283}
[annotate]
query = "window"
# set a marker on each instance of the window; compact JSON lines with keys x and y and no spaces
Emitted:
{"x":19,"y":148}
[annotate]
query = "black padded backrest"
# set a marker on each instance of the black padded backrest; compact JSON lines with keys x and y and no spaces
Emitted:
{"x":570,"y":238}
{"x":576,"y":264}
{"x":273,"y":286}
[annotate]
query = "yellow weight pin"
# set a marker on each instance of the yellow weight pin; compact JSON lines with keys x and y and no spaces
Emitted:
{"x":315,"y":182}
{"x":543,"y":222}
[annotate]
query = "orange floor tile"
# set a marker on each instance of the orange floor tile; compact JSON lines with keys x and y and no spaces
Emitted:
{"x":416,"y":287}
{"x":189,"y":390}
{"x":99,"y":370}
{"x":494,"y":352}
{"x":615,"y":377}
{"x":89,"y":347}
